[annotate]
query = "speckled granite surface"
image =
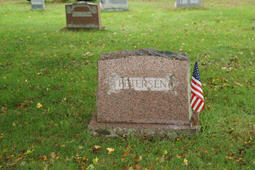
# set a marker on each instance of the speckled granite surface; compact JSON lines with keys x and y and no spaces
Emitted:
{"x":143,"y":89}
{"x":143,"y":52}
{"x":146,"y":130}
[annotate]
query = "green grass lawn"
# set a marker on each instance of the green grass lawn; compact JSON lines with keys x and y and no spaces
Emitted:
{"x":39,"y":64}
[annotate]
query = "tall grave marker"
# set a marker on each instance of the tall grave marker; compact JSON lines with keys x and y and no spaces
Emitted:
{"x":188,"y":3}
{"x":143,"y":91}
{"x":115,"y":5}
{"x":83,"y":15}
{"x":38,"y":5}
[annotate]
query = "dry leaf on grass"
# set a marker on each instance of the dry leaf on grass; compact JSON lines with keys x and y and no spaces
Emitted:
{"x":110,"y":150}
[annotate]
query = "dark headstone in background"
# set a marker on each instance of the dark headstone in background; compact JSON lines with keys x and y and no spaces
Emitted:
{"x":83,"y":15}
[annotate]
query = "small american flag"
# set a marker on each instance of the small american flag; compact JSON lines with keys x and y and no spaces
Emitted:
{"x":197,"y":99}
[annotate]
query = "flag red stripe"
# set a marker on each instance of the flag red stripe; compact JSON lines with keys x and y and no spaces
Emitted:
{"x":195,"y":94}
{"x":197,"y":98}
{"x":195,"y":81}
{"x":201,"y":107}
{"x":196,"y":89}
{"x":193,"y":99}
{"x":198,"y":106}
{"x":196,"y":85}
{"x":195,"y":103}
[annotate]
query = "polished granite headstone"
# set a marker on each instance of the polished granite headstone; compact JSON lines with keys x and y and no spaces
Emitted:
{"x":37,"y":4}
{"x":188,"y":3}
{"x":115,"y":5}
{"x":143,"y":91}
{"x":83,"y":15}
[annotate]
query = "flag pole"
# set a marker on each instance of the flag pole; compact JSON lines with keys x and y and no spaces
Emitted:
{"x":195,"y":115}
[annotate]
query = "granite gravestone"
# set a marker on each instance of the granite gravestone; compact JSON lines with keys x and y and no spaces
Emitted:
{"x":37,"y":5}
{"x":188,"y":3}
{"x":83,"y":15}
{"x":115,"y":5}
{"x":143,"y":91}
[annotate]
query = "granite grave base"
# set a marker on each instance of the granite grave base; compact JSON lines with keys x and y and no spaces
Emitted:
{"x":114,"y":9}
{"x":82,"y":29}
{"x":145,"y":130}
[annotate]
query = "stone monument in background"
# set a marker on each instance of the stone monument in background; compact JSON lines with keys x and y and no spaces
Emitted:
{"x":145,"y":92}
{"x":83,"y":15}
{"x":188,"y":3}
{"x":115,"y":5}
{"x":38,"y":4}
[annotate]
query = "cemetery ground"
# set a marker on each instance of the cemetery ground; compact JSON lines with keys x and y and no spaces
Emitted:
{"x":48,"y":81}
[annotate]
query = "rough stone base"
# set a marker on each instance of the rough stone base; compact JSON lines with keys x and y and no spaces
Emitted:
{"x":148,"y":130}
{"x":37,"y":7}
{"x":114,"y":9}
{"x":81,"y":29}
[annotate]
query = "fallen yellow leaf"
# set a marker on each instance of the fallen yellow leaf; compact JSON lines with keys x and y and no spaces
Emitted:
{"x":10,"y":156}
{"x":137,"y":166}
{"x":19,"y":159}
{"x":84,"y":159}
{"x":125,"y":153}
{"x":28,"y":152}
{"x":97,"y":147}
{"x":52,"y":155}
{"x":178,"y":156}
{"x":39,"y":105}
{"x":95,"y":160}
{"x":44,"y":158}
{"x":138,"y":158}
{"x":110,"y":150}
{"x":229,"y":157}
{"x":185,"y":161}
{"x":237,"y":83}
